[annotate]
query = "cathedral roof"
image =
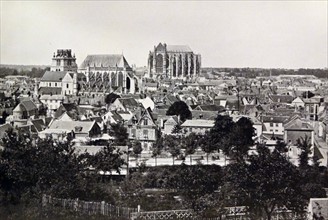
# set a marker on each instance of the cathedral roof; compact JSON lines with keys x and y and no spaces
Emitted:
{"x":105,"y":60}
{"x":179,"y":48}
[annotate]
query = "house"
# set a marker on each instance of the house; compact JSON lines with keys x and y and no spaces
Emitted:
{"x":196,"y":126}
{"x":294,"y":129}
{"x":312,"y":106}
{"x":142,"y":127}
{"x":52,"y":101}
{"x":215,"y":108}
{"x":71,"y":109}
{"x":125,"y":104}
{"x":79,"y":129}
{"x":298,"y":102}
{"x":274,"y":125}
{"x":25,"y":110}
{"x":169,"y":124}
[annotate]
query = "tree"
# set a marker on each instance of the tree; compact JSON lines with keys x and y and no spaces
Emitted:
{"x":180,"y":108}
{"x":30,"y":167}
{"x":241,"y":139}
{"x":266,"y":182}
{"x":136,"y":148}
{"x":204,"y":142}
{"x":305,"y":146}
{"x":172,"y":145}
{"x":158,"y":146}
{"x":110,"y":98}
{"x":119,"y":132}
{"x":219,"y":135}
{"x":311,"y":184}
{"x":190,"y":144}
{"x":107,"y":159}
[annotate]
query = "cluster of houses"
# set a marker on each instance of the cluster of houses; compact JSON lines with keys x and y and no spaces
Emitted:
{"x":281,"y":108}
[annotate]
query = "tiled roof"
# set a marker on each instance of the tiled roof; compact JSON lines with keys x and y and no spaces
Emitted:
{"x":53,"y":76}
{"x":198,"y":123}
{"x":105,"y":60}
{"x":28,"y":105}
{"x":178,"y":48}
{"x":76,"y":126}
{"x":274,"y":119}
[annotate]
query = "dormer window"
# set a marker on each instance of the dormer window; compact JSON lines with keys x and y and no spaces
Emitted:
{"x":145,"y":121}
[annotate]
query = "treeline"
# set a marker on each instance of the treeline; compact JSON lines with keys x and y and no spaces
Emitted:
{"x":254,"y":72}
{"x":33,"y":73}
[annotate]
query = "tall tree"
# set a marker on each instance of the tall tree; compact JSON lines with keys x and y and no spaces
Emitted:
{"x":119,"y":132}
{"x":219,"y":135}
{"x":180,"y":108}
{"x":158,"y":146}
{"x":172,"y":145}
{"x":266,"y":182}
{"x":108,"y":159}
{"x":190,"y":144}
{"x":241,"y":139}
{"x":303,"y":143}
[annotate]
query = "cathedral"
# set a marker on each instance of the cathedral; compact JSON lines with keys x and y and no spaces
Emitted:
{"x":173,"y":62}
{"x":109,"y":73}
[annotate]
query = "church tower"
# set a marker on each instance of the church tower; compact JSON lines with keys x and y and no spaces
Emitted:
{"x":63,"y":61}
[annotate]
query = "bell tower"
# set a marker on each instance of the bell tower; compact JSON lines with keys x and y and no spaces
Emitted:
{"x":63,"y":61}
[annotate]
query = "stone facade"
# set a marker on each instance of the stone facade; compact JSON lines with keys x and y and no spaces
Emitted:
{"x":108,"y":73}
{"x":63,"y":61}
{"x":173,"y":62}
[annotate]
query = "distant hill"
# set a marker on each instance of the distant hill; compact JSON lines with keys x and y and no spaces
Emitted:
{"x":23,"y":67}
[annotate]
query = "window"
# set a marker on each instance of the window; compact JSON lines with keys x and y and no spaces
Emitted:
{"x":67,"y":85}
{"x":69,"y":62}
{"x":277,"y":124}
{"x":145,"y":121}
{"x":58,"y":62}
{"x":145,"y":133}
{"x":133,"y":131}
{"x":56,"y":84}
{"x":276,"y":130}
{"x":271,"y":124}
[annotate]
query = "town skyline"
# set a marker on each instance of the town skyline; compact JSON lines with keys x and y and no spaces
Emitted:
{"x":287,"y":35}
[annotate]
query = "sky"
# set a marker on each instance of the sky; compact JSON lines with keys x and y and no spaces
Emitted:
{"x":264,"y":34}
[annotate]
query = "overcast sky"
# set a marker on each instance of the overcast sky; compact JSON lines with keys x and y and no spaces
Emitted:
{"x":227,"y":34}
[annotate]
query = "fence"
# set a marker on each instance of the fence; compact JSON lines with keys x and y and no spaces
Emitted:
{"x":89,"y":208}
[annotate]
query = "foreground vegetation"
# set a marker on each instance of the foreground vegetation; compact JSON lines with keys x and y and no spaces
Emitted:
{"x":263,"y":182}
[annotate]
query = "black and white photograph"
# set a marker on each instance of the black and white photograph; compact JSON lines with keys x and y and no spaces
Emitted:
{"x":164,"y":110}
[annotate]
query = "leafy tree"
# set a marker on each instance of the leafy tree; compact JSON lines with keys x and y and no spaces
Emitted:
{"x":119,"y":132}
{"x":219,"y":135}
{"x":305,"y":146}
{"x":136,"y":148}
{"x":158,"y":146}
{"x":190,"y":144}
{"x":30,"y":167}
{"x":206,"y":145}
{"x":172,"y":145}
{"x":110,"y":98}
{"x":107,"y":159}
{"x":241,"y":139}
{"x":311,"y":184}
{"x":180,"y":108}
{"x":266,"y":182}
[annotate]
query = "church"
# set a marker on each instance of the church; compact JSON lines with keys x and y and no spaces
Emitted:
{"x":173,"y":62}
{"x":109,"y":73}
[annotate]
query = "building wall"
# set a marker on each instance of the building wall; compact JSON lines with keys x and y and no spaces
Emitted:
{"x":271,"y":127}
